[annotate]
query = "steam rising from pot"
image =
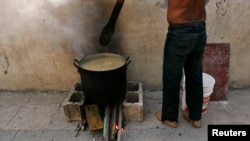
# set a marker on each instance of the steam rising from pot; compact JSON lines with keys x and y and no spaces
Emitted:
{"x":61,"y":24}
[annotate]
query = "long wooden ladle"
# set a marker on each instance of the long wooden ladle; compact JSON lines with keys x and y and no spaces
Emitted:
{"x":109,"y":29}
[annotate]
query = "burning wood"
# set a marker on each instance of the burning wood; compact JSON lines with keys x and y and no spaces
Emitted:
{"x":93,"y":117}
{"x":110,"y":119}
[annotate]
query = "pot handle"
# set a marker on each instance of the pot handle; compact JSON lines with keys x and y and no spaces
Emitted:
{"x":128,"y":61}
{"x":76,"y":63}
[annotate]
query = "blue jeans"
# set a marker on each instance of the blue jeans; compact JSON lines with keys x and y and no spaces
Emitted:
{"x":184,"y":49}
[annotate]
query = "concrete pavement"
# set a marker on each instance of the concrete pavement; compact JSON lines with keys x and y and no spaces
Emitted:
{"x":39,"y":116}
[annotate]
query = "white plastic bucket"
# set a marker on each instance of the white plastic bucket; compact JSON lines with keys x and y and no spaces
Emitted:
{"x":208,"y":83}
{"x":208,"y":86}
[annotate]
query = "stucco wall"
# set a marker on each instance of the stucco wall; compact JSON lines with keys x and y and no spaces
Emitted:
{"x":39,"y":39}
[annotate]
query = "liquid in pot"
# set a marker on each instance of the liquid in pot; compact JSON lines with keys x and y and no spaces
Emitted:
{"x":102,"y":64}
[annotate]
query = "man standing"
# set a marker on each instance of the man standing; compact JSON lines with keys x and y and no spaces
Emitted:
{"x":184,"y":49}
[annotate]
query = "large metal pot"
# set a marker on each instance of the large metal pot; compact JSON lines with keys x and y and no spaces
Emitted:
{"x":103,"y":77}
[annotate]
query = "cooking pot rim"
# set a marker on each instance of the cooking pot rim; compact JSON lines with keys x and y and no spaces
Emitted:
{"x":102,"y":55}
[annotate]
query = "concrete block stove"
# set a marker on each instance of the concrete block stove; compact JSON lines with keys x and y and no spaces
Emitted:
{"x":133,"y":103}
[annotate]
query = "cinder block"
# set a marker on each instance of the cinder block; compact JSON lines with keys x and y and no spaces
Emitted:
{"x":73,"y":106}
{"x":133,"y":103}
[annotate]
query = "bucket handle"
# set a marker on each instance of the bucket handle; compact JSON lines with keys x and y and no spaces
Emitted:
{"x":76,"y":63}
{"x":128,"y":61}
